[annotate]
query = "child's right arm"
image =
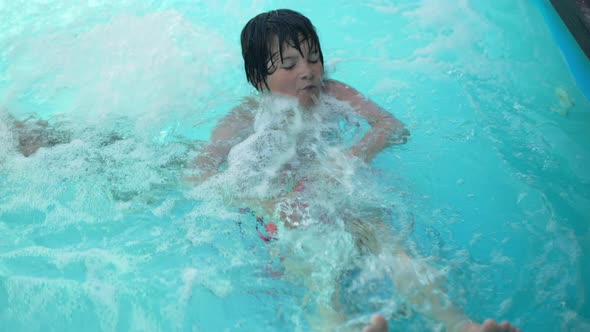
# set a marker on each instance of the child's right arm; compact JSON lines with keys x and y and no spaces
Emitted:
{"x":232,"y":129}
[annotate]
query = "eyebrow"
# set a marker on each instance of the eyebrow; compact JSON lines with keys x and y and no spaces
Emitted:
{"x":288,"y":57}
{"x":276,"y":56}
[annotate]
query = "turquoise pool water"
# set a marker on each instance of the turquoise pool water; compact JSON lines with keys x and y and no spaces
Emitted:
{"x":103,"y":234}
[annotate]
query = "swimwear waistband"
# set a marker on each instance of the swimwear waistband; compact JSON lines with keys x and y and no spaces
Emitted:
{"x":270,"y":228}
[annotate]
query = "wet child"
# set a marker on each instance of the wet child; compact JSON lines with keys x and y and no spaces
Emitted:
{"x":284,"y":62}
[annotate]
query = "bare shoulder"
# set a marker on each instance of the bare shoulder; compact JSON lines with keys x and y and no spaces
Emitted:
{"x":238,"y":122}
{"x":242,"y":110}
{"x":364,"y":106}
{"x":341,"y":91}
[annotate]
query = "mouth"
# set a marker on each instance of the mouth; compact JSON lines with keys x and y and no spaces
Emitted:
{"x":309,"y":88}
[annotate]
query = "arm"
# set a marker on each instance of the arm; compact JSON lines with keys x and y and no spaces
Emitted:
{"x":33,"y":133}
{"x":231,"y":130}
{"x":385,"y":131}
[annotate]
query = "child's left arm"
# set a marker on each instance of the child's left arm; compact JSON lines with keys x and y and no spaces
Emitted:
{"x":386,"y":130}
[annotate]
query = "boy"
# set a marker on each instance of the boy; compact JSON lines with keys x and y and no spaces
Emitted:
{"x":283,"y":57}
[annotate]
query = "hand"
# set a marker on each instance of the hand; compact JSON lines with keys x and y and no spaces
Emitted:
{"x":400,"y":138}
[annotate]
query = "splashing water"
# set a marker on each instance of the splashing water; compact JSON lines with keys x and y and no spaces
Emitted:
{"x":99,"y":231}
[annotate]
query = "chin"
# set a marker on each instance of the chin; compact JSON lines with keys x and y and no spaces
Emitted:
{"x":308,"y":101}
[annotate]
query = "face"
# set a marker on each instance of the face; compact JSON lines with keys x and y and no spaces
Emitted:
{"x":297,"y":75}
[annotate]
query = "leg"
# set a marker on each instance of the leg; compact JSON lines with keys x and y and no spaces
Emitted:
{"x":415,"y":281}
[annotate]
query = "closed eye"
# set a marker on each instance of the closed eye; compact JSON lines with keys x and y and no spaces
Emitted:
{"x":313,"y":57}
{"x":288,"y":62}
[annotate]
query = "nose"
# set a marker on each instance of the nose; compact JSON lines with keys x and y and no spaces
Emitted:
{"x":306,"y":71}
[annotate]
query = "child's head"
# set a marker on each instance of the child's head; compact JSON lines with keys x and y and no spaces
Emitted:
{"x":282,"y":54}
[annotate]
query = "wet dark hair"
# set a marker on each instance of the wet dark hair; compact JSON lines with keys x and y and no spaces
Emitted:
{"x":258,"y":37}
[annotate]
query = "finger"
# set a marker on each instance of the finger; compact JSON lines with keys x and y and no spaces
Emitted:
{"x":489,"y":325}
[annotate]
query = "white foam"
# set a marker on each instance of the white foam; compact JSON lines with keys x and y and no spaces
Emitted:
{"x":188,"y":279}
{"x":103,"y":295}
{"x":288,"y":140}
{"x":140,"y":66}
{"x":8,"y":139}
{"x":30,"y":296}
{"x":142,"y":321}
